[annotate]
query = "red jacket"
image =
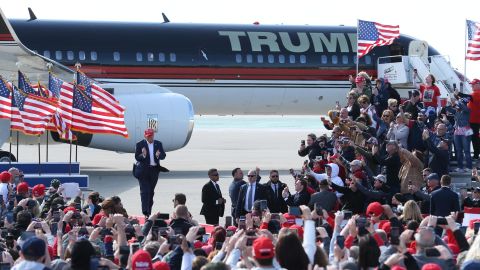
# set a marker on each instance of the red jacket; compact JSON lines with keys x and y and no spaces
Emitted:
{"x":474,"y":107}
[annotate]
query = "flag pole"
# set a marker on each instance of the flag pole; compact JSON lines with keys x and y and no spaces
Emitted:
{"x":46,"y":150}
{"x":49,"y":67}
{"x":358,"y":60}
{"x":39,"y":162}
{"x":10,"y":150}
{"x":465,"y":40}
{"x":18,"y":135}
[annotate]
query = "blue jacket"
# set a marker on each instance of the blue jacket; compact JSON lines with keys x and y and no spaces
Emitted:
{"x":462,"y":116}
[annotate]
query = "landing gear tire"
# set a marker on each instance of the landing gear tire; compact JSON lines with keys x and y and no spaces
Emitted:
{"x":7,"y":157}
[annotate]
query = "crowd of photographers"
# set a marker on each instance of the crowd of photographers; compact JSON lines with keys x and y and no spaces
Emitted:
{"x":376,"y":194}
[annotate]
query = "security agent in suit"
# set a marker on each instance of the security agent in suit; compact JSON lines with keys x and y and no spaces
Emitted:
{"x":148,"y":154}
{"x":444,"y":201}
{"x":213,"y":202}
{"x":274,"y":188}
{"x":249,"y":193}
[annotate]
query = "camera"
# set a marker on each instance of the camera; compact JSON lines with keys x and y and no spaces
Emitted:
{"x":164,"y":216}
{"x":319,"y":209}
{"x":347,"y":214}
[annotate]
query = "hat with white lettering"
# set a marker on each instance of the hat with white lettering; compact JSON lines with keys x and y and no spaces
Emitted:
{"x":475,"y":81}
{"x":141,"y":260}
{"x":148,"y":132}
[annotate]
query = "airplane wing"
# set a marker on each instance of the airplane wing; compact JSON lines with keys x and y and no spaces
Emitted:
{"x":15,"y":56}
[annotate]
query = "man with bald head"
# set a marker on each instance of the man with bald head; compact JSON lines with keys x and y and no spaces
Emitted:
{"x":148,"y":153}
{"x":249,"y":193}
{"x":182,"y":221}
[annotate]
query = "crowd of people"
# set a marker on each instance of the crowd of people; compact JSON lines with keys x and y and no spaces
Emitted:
{"x":375,"y":194}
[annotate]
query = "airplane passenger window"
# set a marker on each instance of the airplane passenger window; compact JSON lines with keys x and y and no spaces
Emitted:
{"x":81,"y":55}
{"x":161,"y":57}
{"x":271,"y":59}
{"x":260,"y":58}
{"x":281,"y":59}
{"x":249,"y":58}
{"x":58,"y":55}
{"x":292,"y":59}
{"x":116,"y":56}
{"x":93,"y":56}
{"x":344,"y":59}
{"x":303,"y":59}
{"x":70,"y":55}
{"x":150,"y":57}
{"x":139,"y":57}
{"x":334,"y":59}
{"x":368,"y":59}
{"x":173,"y":57}
{"x":238,"y":58}
{"x":324,"y":59}
{"x":46,"y":54}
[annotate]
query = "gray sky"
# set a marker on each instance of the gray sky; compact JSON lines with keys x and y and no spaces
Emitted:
{"x":440,"y":23}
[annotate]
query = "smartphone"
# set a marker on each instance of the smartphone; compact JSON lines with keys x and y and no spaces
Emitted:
{"x":250,"y":241}
{"x":275,"y":216}
{"x":294,"y":211}
{"x":442,"y":221}
{"x":134,"y":247}
{"x":124,"y":250}
{"x":251,"y":233}
{"x":302,"y":142}
{"x":319,"y":209}
{"x":9,"y":240}
{"x":476,"y":226}
{"x":201,"y":231}
{"x":263,"y":205}
{"x":164,"y":216}
{"x":162,"y":231}
{"x":395,"y":235}
{"x":361,"y":222}
{"x":205,"y":238}
{"x":83,"y":231}
{"x":159,"y":222}
{"x":347,"y":214}
{"x":218,"y":245}
{"x":241,"y":223}
{"x":341,"y":241}
{"x":228,"y":221}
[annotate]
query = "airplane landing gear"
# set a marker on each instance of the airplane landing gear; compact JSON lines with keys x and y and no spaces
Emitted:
{"x":6,"y":156}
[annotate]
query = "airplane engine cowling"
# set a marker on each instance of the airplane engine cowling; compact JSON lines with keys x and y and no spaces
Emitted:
{"x":172,"y":113}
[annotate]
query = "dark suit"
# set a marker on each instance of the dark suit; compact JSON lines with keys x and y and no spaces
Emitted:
{"x":300,"y":198}
{"x":326,"y":198}
{"x":210,"y":209}
{"x":444,"y":201}
{"x":148,"y":174}
{"x":260,"y":194}
{"x":276,"y":203}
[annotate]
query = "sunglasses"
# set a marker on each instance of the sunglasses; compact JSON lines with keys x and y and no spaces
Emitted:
{"x":385,"y":115}
{"x":274,"y":176}
{"x":216,"y":174}
{"x":251,"y":175}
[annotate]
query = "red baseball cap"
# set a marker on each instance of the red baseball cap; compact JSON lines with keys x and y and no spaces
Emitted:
{"x":375,"y":208}
{"x":141,"y":260}
{"x":70,"y":208}
{"x":299,"y":230}
{"x":38,"y":190}
{"x":22,"y":187}
{"x":148,"y":132}
{"x":431,"y":266}
{"x":5,"y":176}
{"x":475,"y":81}
{"x":290,"y":220}
{"x":263,"y":248}
{"x":161,"y":266}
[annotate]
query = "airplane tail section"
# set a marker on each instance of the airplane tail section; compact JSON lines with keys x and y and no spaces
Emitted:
{"x":6,"y":31}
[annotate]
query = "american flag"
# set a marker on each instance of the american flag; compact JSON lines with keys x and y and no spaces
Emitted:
{"x":62,"y":122}
{"x":372,"y":34}
{"x":30,"y":112}
{"x":473,"y":32}
{"x":100,"y":95}
{"x":5,"y":99}
{"x":89,"y":117}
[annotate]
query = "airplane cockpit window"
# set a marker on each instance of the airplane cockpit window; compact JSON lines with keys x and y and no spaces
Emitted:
{"x":139,"y":57}
{"x":70,"y":55}
{"x":281,"y":59}
{"x":303,"y":59}
{"x":260,"y":58}
{"x":271,"y":58}
{"x":58,"y":55}
{"x":249,"y":58}
{"x":292,"y":59}
{"x":116,"y":56}
{"x":368,"y":59}
{"x":46,"y":54}
{"x":334,"y":59}
{"x":93,"y":56}
{"x":173,"y":57}
{"x":324,"y":59}
{"x":344,"y":59}
{"x":150,"y":57}
{"x":81,"y":55}
{"x":238,"y":58}
{"x":161,"y":57}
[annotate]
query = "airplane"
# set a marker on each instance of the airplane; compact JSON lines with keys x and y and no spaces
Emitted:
{"x":164,"y":73}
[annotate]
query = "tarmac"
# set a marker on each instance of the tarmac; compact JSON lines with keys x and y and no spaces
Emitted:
{"x":110,"y":172}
